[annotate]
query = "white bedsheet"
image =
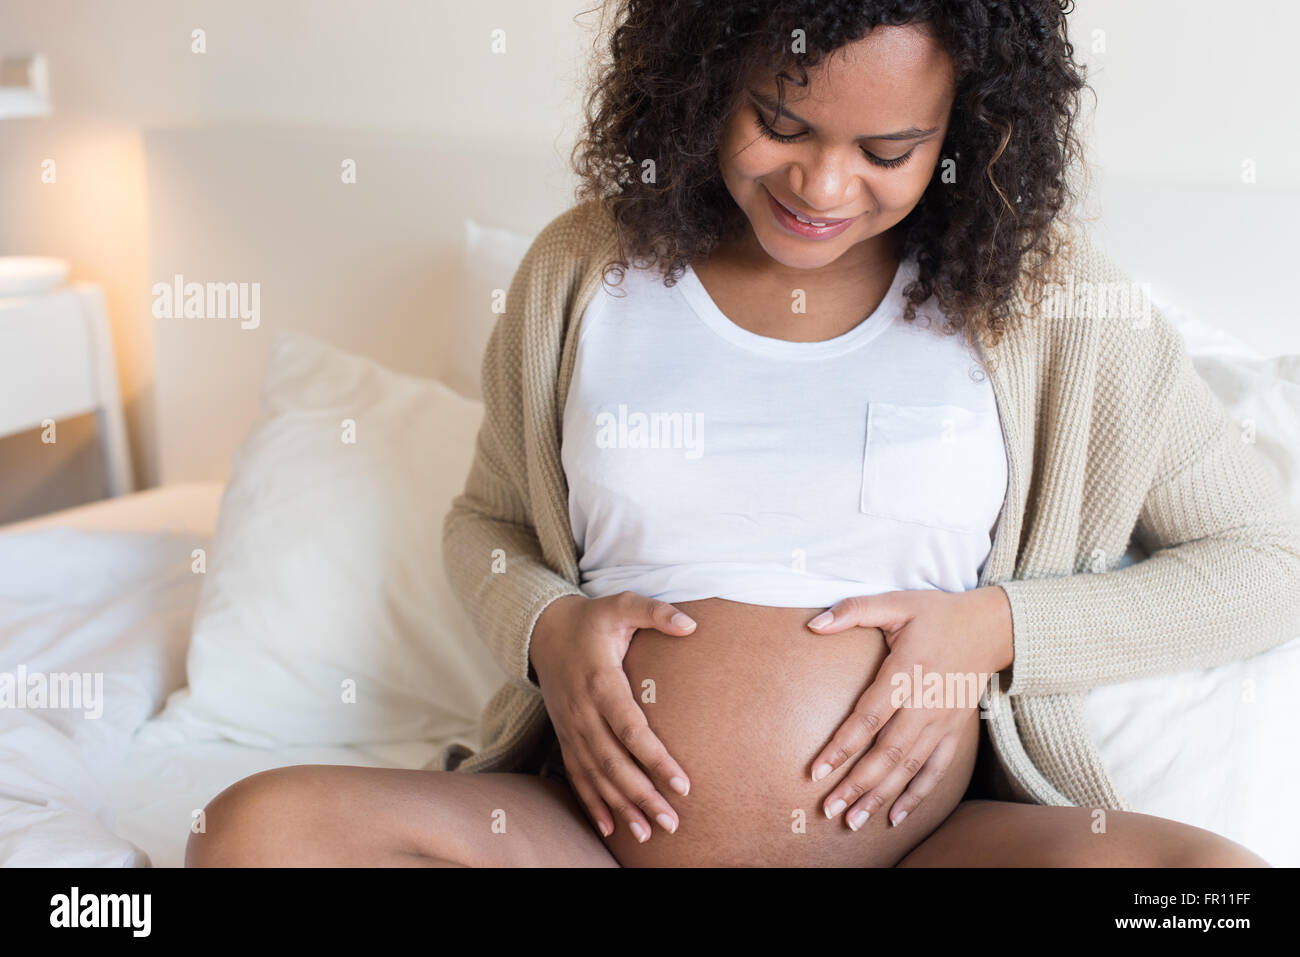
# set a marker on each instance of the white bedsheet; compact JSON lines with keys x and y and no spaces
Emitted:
{"x":118,"y":789}
{"x":113,"y":604}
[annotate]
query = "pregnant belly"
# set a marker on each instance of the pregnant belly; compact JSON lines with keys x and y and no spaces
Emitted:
{"x":745,"y":704}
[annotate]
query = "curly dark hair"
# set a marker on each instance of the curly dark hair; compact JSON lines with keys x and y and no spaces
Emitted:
{"x":677,"y":67}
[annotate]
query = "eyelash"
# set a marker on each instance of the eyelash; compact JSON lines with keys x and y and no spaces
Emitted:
{"x":772,"y":134}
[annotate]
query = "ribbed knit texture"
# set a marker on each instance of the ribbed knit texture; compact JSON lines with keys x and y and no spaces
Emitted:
{"x":1110,"y":435}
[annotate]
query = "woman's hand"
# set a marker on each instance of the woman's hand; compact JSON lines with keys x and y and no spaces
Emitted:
{"x":960,"y":637}
{"x":577,"y":651}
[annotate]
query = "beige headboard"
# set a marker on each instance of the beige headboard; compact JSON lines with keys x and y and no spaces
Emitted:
{"x":368,"y":266}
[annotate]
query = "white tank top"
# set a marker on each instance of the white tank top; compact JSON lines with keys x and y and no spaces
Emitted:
{"x":706,"y":461}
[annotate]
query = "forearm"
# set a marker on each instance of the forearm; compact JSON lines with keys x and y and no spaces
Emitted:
{"x":1222,"y":581}
{"x":995,"y":614}
{"x":1195,"y":605}
{"x":547,"y":628}
{"x":497,"y":570}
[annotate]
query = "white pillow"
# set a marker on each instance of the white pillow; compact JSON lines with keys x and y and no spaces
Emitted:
{"x":326,"y":571}
{"x":489,"y":260}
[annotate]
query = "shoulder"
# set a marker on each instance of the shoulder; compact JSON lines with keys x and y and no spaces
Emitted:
{"x":569,"y":245}
{"x":563,"y":259}
{"x":1092,"y":316}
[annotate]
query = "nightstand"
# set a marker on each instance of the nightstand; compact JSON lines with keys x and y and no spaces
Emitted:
{"x":56,"y":361}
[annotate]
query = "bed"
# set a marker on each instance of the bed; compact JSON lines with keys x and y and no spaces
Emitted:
{"x":124,"y":796}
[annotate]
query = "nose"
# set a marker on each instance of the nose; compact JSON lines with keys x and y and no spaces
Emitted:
{"x":825,"y":180}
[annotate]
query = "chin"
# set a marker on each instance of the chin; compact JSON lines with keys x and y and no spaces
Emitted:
{"x":808,"y":254}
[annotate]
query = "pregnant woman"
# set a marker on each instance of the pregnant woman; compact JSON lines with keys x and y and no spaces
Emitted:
{"x":797,"y":512}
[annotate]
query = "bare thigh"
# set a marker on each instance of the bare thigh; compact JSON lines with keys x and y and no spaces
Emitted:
{"x":316,"y":815}
{"x":1007,"y":834}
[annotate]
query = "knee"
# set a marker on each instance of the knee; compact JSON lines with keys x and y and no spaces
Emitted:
{"x":250,"y":823}
{"x":1143,"y":840}
{"x":1207,"y":849}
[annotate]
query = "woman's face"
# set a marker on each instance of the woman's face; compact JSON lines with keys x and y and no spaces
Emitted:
{"x":867,"y":133}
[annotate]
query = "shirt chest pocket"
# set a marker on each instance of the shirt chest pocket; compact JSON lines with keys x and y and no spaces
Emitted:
{"x":942,"y":466}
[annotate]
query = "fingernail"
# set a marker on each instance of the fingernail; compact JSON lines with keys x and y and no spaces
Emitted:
{"x":680,"y":785}
{"x":835,"y":808}
{"x":896,"y":820}
{"x":640,"y":833}
{"x":857,"y":819}
{"x":822,"y":770}
{"x":825,"y":618}
{"x":605,"y":829}
{"x":667,"y":823}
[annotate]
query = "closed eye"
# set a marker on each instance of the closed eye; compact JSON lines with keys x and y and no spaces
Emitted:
{"x":772,"y":134}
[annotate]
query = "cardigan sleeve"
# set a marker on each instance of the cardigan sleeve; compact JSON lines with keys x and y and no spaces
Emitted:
{"x":491,"y":551}
{"x":1222,"y":581}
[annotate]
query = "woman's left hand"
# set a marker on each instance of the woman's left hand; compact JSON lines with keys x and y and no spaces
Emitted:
{"x":963,"y":637}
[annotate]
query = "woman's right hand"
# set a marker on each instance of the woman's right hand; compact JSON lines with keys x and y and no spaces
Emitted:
{"x":577,"y":651}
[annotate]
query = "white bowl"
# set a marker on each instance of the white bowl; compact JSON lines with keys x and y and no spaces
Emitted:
{"x":31,"y":275}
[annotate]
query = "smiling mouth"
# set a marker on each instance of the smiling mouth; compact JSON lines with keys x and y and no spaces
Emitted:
{"x":812,"y":221}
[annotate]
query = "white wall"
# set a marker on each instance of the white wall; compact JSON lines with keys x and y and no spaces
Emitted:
{"x":1187,"y":92}
{"x":422,"y":65}
{"x":121,"y":67}
{"x":1190,"y":98}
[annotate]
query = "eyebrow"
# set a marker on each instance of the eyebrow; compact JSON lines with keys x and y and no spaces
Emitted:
{"x":911,"y":133}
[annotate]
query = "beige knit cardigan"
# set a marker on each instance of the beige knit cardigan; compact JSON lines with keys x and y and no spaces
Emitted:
{"x":1110,"y":435}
